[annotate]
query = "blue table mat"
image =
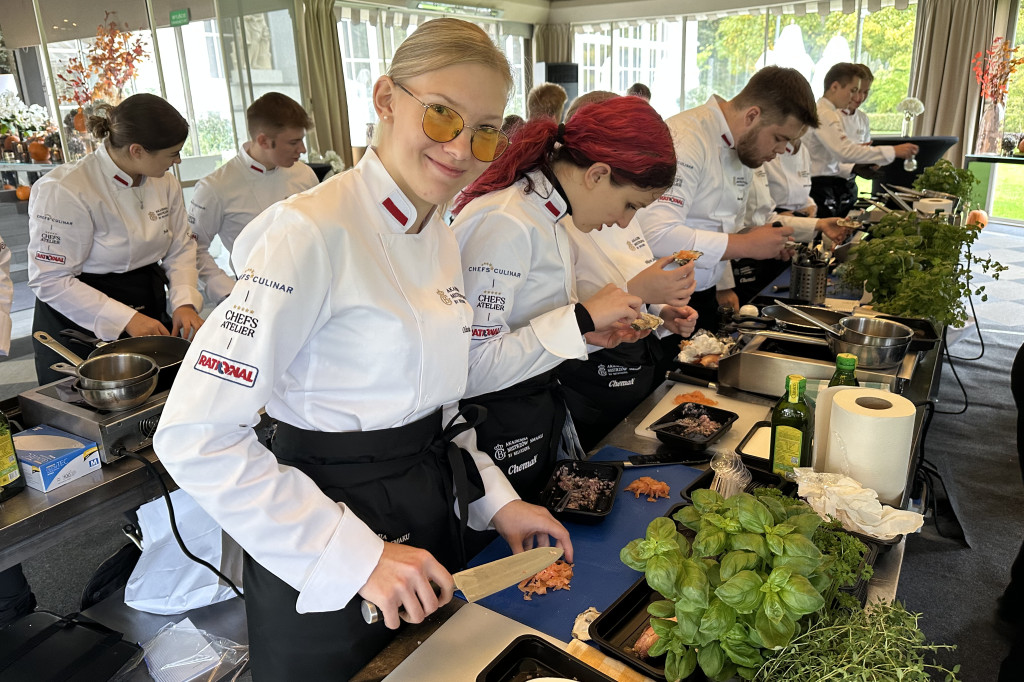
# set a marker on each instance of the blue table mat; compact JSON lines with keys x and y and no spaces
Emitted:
{"x":599,"y":578}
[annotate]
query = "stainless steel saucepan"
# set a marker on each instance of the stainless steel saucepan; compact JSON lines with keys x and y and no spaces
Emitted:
{"x":101,"y":372}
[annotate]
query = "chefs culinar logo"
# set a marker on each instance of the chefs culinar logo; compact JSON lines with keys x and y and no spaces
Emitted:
{"x":487,"y":267}
{"x":227,"y":369}
{"x":51,"y":219}
{"x":249,"y":275}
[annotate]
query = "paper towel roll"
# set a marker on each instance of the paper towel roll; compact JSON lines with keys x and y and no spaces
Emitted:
{"x":930,"y":205}
{"x":870,"y":433}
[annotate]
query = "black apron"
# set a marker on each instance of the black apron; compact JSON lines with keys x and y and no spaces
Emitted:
{"x":143,"y":289}
{"x":523,"y":431}
{"x":835,"y":196}
{"x":404,"y":484}
{"x":600,"y":391}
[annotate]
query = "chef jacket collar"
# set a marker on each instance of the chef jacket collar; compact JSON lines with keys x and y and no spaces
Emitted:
{"x":545,"y":194}
{"x":398,"y":210}
{"x":118,"y":178}
{"x":252,"y":165}
{"x":715,"y":104}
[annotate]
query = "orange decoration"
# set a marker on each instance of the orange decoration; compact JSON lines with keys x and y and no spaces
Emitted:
{"x":10,"y":141}
{"x":977,"y":218}
{"x":8,"y":186}
{"x":79,"y":120}
{"x":23,"y":192}
{"x":39,"y":152}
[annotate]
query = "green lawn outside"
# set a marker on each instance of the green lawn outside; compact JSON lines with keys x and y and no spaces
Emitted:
{"x":1008,"y":197}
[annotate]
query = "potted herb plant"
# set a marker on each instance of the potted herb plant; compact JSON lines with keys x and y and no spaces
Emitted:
{"x":945,"y":177}
{"x":743,"y":586}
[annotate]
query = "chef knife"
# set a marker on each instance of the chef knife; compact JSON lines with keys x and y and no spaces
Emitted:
{"x":486,"y":579}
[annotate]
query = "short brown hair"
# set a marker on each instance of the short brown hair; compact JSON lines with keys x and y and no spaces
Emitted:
{"x":546,"y":100}
{"x":843,"y":73}
{"x":588,"y":98}
{"x":780,"y":93}
{"x":273,"y":112}
{"x":865,"y":74}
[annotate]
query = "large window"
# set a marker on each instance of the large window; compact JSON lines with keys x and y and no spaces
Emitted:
{"x":705,"y":55}
{"x":368,"y":40}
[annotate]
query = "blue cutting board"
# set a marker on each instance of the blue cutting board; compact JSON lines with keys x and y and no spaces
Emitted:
{"x":598,"y":576}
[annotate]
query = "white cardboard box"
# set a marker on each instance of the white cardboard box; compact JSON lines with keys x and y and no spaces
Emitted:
{"x":50,"y":457}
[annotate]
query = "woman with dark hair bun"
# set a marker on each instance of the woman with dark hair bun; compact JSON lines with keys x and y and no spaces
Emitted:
{"x":609,"y":160}
{"x":109,"y":240}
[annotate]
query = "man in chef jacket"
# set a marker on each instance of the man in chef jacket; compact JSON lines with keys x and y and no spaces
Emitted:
{"x":832,"y":185}
{"x":858,"y":127}
{"x":717,"y":146}
{"x":265,"y":171}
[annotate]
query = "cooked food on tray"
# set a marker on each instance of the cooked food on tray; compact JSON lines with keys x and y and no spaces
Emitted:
{"x":554,"y":577}
{"x":693,"y":426}
{"x":694,"y":397}
{"x":684,"y":257}
{"x":646,"y":321}
{"x":645,"y":485}
{"x":583,"y":491}
{"x":704,"y":348}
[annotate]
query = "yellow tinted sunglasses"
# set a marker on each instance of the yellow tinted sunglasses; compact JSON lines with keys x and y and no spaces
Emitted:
{"x":443,"y":124}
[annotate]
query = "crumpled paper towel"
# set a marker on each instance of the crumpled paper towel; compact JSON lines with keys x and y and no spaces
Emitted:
{"x":854,"y":505}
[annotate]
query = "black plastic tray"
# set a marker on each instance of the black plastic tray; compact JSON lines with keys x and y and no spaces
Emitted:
{"x":529,"y":657}
{"x":752,"y":461}
{"x":696,"y":444}
{"x":758,"y":479}
{"x":552,"y":495}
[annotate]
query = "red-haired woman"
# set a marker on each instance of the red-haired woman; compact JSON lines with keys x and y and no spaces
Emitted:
{"x":611,"y":159}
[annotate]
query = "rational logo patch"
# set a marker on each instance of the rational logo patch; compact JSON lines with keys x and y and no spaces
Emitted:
{"x":227,"y":369}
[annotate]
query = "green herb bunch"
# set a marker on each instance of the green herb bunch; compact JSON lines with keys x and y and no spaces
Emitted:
{"x":881,"y":643}
{"x":751,"y":573}
{"x":945,"y":177}
{"x":920,"y":267}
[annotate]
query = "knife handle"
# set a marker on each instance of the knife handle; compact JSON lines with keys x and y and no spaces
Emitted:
{"x":372,"y":614}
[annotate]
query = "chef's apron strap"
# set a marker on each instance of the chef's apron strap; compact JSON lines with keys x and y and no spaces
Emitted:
{"x":468,"y":486}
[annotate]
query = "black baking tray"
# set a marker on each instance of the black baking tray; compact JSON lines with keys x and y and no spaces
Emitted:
{"x":753,"y":461}
{"x":618,"y":627}
{"x":552,"y":494}
{"x":925,"y":335}
{"x":758,"y":479}
{"x":694,"y":444}
{"x":530,"y":657}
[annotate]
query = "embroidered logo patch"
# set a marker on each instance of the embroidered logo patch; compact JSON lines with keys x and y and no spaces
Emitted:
{"x":227,"y":369}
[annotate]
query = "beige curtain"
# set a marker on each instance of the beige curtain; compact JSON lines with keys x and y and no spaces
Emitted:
{"x":949,"y":33}
{"x":552,"y":43}
{"x":326,"y":79}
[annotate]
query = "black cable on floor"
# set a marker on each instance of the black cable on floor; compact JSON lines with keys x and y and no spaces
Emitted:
{"x":952,"y":367}
{"x":981,"y":339}
{"x":174,"y":525}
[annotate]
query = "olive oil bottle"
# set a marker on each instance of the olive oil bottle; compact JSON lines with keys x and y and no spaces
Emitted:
{"x":846,"y":371}
{"x":11,"y":480}
{"x":792,"y":427}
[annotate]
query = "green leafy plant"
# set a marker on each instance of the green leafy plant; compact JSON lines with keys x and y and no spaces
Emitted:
{"x":920,"y":267}
{"x":945,"y":177}
{"x":883,"y":642}
{"x":742,"y":586}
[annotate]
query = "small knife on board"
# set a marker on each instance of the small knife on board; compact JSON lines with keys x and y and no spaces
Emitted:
{"x":486,"y":579}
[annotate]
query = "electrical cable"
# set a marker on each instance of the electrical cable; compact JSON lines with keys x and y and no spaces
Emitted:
{"x":952,"y":367}
{"x":981,"y":339}
{"x":174,"y":526}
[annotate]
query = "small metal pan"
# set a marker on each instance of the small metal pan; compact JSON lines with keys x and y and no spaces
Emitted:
{"x":790,"y":322}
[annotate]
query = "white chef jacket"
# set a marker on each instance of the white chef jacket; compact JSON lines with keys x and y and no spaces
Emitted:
{"x":340,"y":321}
{"x":760,"y":208}
{"x":227,"y":199}
{"x":706,"y":201}
{"x":829,"y":145}
{"x":6,"y":298}
{"x":789,"y":179}
{"x":86,"y":217}
{"x":517,"y":264}
{"x":858,"y":129}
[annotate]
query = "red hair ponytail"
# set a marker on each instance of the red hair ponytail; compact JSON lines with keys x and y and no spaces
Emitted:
{"x":625,"y":132}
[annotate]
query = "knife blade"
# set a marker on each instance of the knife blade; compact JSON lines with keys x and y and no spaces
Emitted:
{"x":486,"y":579}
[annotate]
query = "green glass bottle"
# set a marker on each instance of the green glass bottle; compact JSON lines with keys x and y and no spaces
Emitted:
{"x":846,"y":371}
{"x":792,"y":426}
{"x":11,"y":480}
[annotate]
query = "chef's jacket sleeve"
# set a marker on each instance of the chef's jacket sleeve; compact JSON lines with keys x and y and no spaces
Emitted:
{"x":832,"y":134}
{"x":497,"y":490}
{"x":180,"y":261}
{"x":6,"y":298}
{"x":56,"y":252}
{"x":205,"y":216}
{"x":803,"y":228}
{"x":206,"y":439}
{"x":498,"y":356}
